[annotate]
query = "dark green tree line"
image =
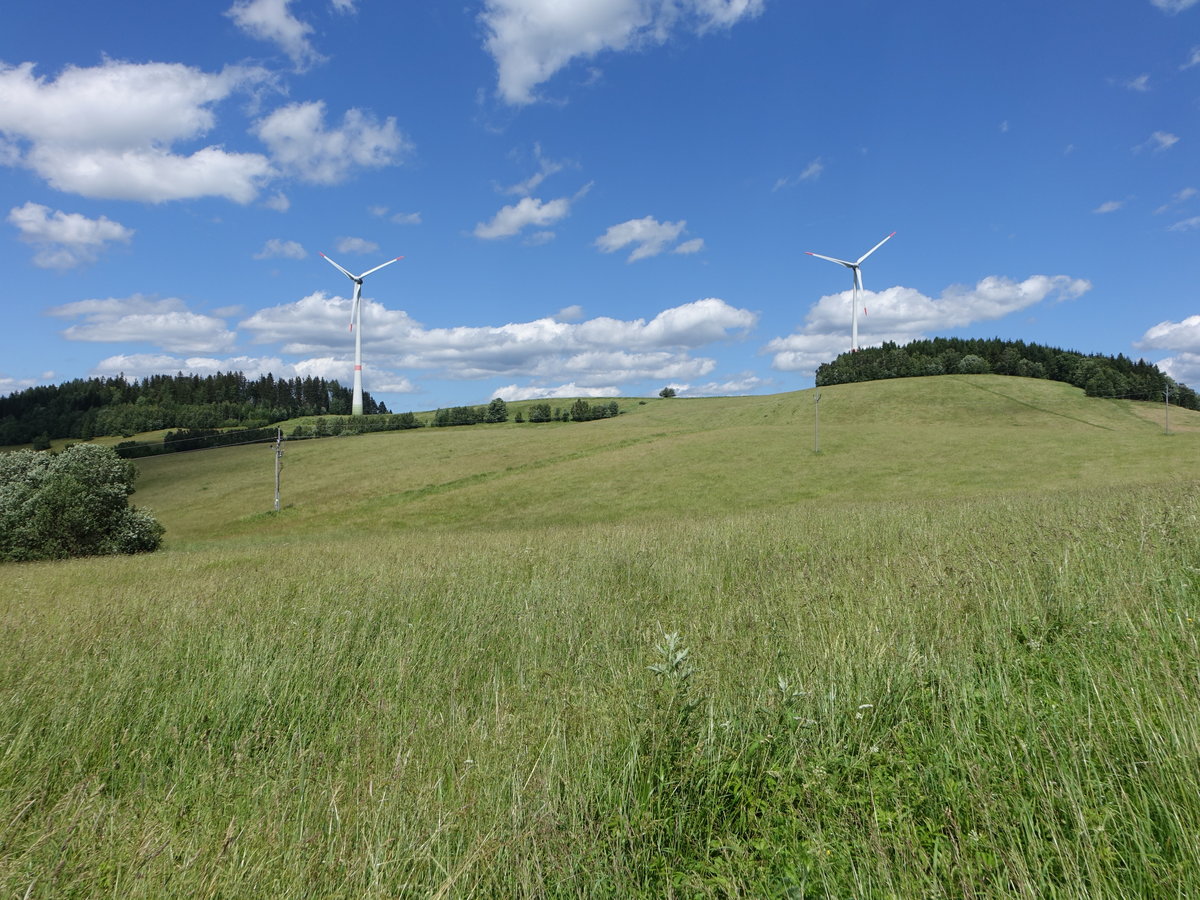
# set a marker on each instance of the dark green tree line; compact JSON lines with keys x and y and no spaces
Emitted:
{"x":87,"y":408}
{"x":579,"y":411}
{"x":1099,"y":375}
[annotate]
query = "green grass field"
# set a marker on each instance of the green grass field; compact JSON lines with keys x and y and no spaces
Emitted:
{"x":955,"y":654}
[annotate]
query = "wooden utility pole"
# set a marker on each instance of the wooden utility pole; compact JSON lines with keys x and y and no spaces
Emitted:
{"x":1167,"y":410}
{"x":278,"y":463}
{"x":817,"y":423}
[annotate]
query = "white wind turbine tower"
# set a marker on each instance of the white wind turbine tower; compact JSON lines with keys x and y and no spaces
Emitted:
{"x":858,"y":284}
{"x":356,"y":406}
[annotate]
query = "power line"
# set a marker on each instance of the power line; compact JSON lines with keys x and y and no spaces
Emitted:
{"x":216,"y":433}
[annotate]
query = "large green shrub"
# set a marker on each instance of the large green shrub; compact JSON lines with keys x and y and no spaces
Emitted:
{"x":974,"y":365}
{"x":74,"y":503}
{"x":497,"y":411}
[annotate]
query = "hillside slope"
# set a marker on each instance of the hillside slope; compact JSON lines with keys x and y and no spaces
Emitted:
{"x":914,"y":438}
{"x":672,"y":653}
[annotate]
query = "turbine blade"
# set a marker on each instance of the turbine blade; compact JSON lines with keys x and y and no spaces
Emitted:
{"x":380,"y":266}
{"x":876,"y":247}
{"x":354,"y":304}
{"x":336,"y":266}
{"x":858,"y":282}
{"x":840,"y":262}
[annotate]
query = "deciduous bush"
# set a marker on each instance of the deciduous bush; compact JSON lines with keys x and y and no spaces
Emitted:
{"x":973,"y":365}
{"x":497,"y":411}
{"x":74,"y":503}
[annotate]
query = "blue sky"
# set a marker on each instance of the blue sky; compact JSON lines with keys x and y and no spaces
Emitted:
{"x":592,"y":197}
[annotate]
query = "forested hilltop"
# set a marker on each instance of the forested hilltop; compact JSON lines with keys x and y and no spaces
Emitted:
{"x":94,"y":407}
{"x":1097,"y":374}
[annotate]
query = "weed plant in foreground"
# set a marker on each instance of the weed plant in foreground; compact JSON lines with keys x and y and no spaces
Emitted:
{"x":976,"y":698}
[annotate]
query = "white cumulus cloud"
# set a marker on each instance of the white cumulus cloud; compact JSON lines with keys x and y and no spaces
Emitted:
{"x":355,"y":245}
{"x":559,"y":391}
{"x":902,"y":314}
{"x":399,"y":218}
{"x":531,"y":40}
{"x":391,"y":383}
{"x":594,"y":352}
{"x":280,"y":249}
{"x":272,"y":21}
{"x":10,"y":385}
{"x":1169,"y":335}
{"x":153,"y":175}
{"x":116,"y":104}
{"x":743,"y":384}
{"x":166,"y":323}
{"x":1183,"y":367}
{"x":572,"y":313}
{"x":301,"y":144}
{"x":564,"y":355}
{"x":64,"y":240}
{"x":139,"y":365}
{"x":538,"y":238}
{"x":648,"y":236}
{"x":1183,"y":339}
{"x":1171,"y":7}
{"x":107,"y":131}
{"x":527,"y":211}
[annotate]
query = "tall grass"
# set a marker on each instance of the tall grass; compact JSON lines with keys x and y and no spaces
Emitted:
{"x":989,"y":698}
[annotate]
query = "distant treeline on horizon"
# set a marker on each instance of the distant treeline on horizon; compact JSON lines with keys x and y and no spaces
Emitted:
{"x":1099,"y":375}
{"x":98,"y":407}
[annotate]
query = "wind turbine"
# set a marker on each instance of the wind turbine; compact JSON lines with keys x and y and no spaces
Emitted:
{"x":356,"y":406}
{"x":858,"y":284}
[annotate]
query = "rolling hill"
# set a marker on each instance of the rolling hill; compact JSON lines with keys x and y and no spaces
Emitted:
{"x":907,"y":439}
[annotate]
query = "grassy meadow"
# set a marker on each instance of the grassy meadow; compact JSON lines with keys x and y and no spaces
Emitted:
{"x":671,"y":654}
